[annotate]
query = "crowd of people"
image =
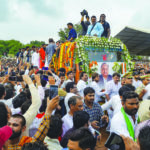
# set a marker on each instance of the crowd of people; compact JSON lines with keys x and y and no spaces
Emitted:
{"x":29,"y":119}
{"x":32,"y":119}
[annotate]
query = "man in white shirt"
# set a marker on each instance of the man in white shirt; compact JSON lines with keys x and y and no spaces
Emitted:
{"x":147,"y":94}
{"x":128,"y":78}
{"x":125,"y":121}
{"x":136,"y":81}
{"x":82,"y":83}
{"x":36,"y":58}
{"x":70,"y":77}
{"x":55,"y":129}
{"x":71,"y":90}
{"x":113,"y":86}
{"x":95,"y":29}
{"x":75,"y":104}
{"x":95,"y":85}
{"x":115,"y":101}
{"x":141,"y":89}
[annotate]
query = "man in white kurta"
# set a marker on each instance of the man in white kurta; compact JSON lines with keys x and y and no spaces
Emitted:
{"x":82,"y":83}
{"x":36,"y":59}
{"x":136,"y":82}
{"x":130,"y":106}
{"x":95,"y":85}
{"x":113,"y":86}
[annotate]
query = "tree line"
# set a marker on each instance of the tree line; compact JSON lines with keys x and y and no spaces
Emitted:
{"x":13,"y":46}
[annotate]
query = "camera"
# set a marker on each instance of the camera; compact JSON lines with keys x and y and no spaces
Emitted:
{"x":84,"y":13}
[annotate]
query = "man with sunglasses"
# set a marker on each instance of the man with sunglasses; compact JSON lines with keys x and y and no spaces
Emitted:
{"x":106,"y":26}
{"x":128,"y":78}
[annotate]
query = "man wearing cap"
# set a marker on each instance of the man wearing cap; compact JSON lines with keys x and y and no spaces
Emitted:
{"x":128,"y":78}
{"x":136,"y":81}
{"x":141,"y":89}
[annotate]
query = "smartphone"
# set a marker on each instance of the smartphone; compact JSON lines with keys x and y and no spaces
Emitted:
{"x":44,"y":77}
{"x":115,"y":142}
{"x":12,"y":78}
{"x":45,"y":68}
{"x":19,"y":78}
{"x":53,"y":92}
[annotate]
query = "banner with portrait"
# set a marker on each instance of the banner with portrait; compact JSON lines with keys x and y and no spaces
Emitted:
{"x":105,"y":72}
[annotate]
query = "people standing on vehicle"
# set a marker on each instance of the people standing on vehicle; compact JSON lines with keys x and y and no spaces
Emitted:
{"x":86,"y":23}
{"x":106,"y":26}
{"x":95,"y":29}
{"x":72,"y":33}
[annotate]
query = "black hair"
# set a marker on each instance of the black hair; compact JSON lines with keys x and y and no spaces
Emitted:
{"x":103,"y":15}
{"x":61,"y":75}
{"x":70,"y":24}
{"x":44,"y":102}
{"x":43,"y":82}
{"x":33,"y":46}
{"x":141,"y":69}
{"x":55,"y":127}
{"x":25,"y":106}
{"x":129,"y":95}
{"x":50,"y":40}
{"x":3,"y":114}
{"x":40,"y":72}
{"x":62,"y":70}
{"x":70,"y":85}
{"x":147,"y":72}
{"x":19,"y":100}
{"x":73,"y":100}
{"x":125,"y":88}
{"x":2,"y":90}
{"x":84,"y":137}
{"x":9,"y":93}
{"x":80,"y":118}
{"x":88,"y":90}
{"x":34,"y":146}
{"x":93,"y":17}
{"x":82,"y":74}
{"x":21,"y":73}
{"x":135,"y":73}
{"x":144,"y":138}
{"x":23,"y":122}
{"x":94,"y":75}
{"x":116,"y":74}
{"x":27,"y":47}
{"x":69,"y":72}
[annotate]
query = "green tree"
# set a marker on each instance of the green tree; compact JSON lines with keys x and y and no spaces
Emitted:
{"x":63,"y":33}
{"x":13,"y":46}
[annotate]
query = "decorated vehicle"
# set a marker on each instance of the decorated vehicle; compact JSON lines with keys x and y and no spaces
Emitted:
{"x":89,"y":53}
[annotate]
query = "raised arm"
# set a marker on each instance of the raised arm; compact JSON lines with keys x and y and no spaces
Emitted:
{"x":44,"y":126}
{"x":36,"y":102}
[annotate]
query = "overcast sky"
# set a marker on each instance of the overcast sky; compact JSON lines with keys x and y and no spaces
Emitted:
{"x":27,"y":20}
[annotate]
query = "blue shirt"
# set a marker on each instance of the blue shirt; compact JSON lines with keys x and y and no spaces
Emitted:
{"x":95,"y":112}
{"x":50,"y":50}
{"x":98,"y":30}
{"x":72,"y":34}
{"x":17,"y":55}
{"x":106,"y":26}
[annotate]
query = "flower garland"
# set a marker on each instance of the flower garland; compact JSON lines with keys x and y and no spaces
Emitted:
{"x":79,"y":49}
